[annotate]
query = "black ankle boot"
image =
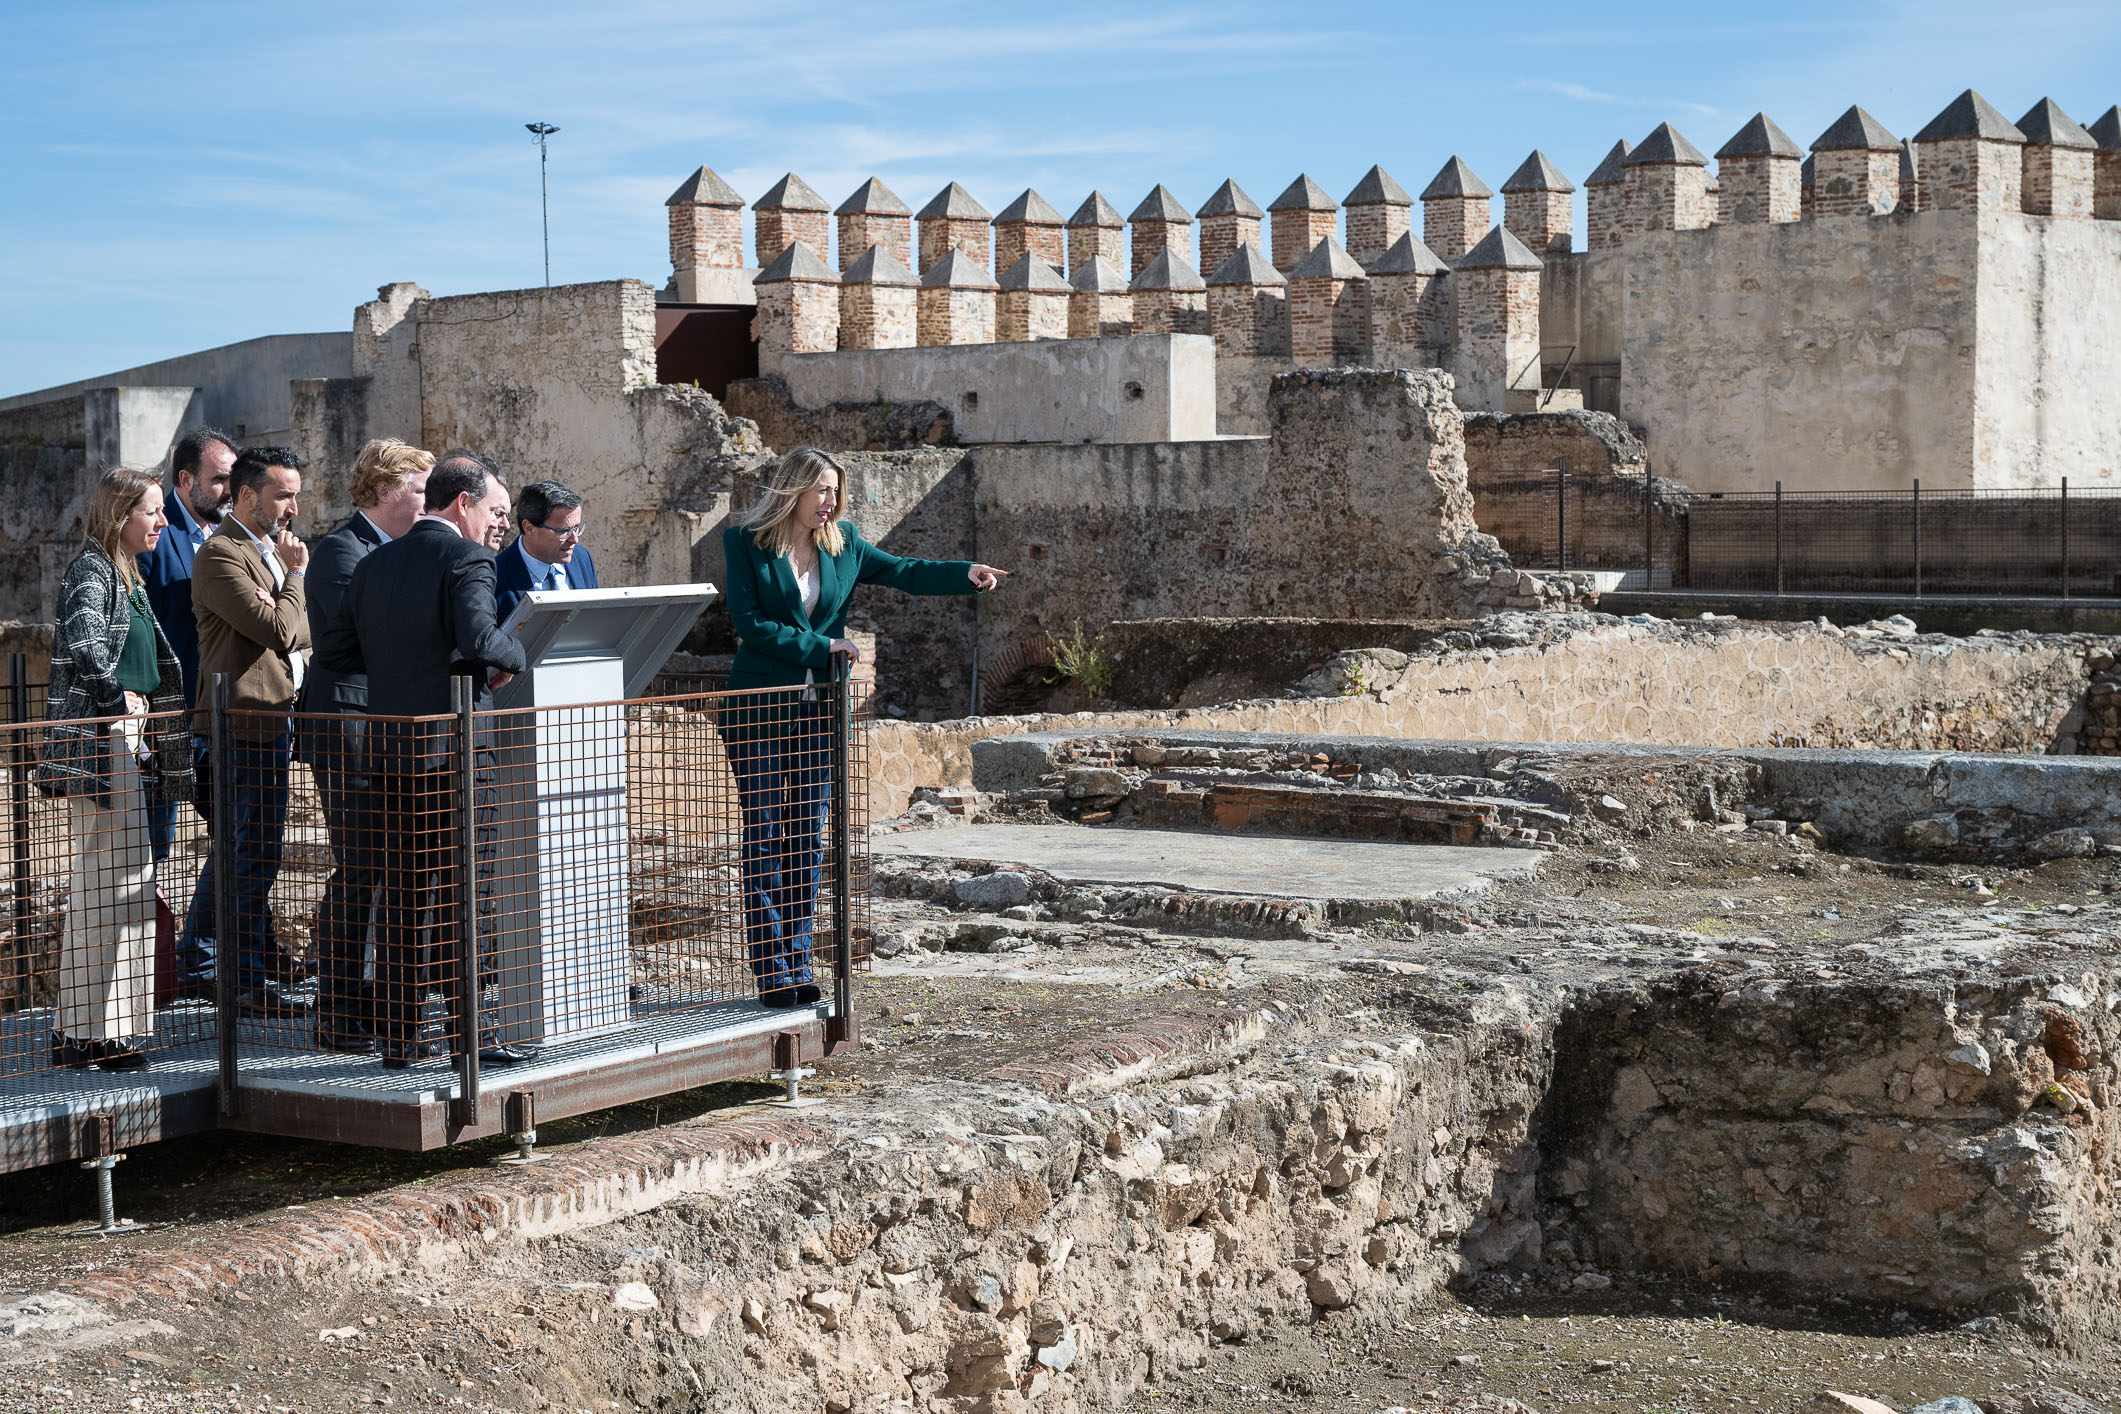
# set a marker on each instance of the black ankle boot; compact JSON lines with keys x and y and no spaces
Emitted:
{"x":67,"y":1053}
{"x":119,"y":1055}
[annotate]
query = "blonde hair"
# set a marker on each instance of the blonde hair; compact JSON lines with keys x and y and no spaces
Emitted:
{"x":771,"y":519}
{"x":117,"y":492}
{"x":384,"y":466}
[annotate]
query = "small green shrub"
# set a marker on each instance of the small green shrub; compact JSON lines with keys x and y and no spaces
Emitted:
{"x":1082,"y":660}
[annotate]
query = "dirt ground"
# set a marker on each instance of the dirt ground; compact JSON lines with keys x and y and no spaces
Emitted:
{"x":535,"y":1329}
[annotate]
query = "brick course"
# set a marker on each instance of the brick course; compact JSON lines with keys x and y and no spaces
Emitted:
{"x":799,"y":314}
{"x":706,"y":238}
{"x":955,"y":315}
{"x":1249,"y":321}
{"x":1972,"y":174}
{"x":2057,"y":181}
{"x":1095,"y":231}
{"x":1220,"y":236}
{"x":1856,"y":182}
{"x":876,"y":316}
{"x":1453,"y":225}
{"x":1760,"y":189}
{"x":860,"y":230}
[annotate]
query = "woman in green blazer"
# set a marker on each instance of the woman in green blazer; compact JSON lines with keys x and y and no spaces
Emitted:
{"x":792,"y":568}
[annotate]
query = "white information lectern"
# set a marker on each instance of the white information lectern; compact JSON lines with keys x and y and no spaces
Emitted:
{"x":565,"y":897}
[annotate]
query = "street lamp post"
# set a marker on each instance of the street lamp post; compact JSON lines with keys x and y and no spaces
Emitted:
{"x":543,"y":131}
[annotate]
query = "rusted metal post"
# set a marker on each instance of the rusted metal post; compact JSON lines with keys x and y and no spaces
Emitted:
{"x":221,"y":859}
{"x":1561,"y":506}
{"x":1778,"y":538}
{"x":1917,"y":503}
{"x":842,"y":851}
{"x":465,"y":1110}
{"x":18,"y":843}
{"x":2065,"y":537}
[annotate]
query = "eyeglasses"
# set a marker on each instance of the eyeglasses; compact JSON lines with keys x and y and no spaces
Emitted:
{"x":572,"y":532}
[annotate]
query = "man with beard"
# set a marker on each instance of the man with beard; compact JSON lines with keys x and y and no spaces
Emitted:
{"x":199,"y":469}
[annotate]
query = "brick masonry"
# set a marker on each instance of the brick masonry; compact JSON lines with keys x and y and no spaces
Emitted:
{"x":1013,"y":239}
{"x":1497,"y":344}
{"x":1971,"y":174}
{"x":955,"y":316}
{"x":941,"y":234}
{"x":798,"y":317}
{"x":2106,"y":184}
{"x":1297,"y":233}
{"x":1086,"y":241}
{"x":777,"y":228}
{"x":1220,"y":236}
{"x":2057,"y":181}
{"x":706,"y":238}
{"x":1854,"y":182}
{"x":878,"y":316}
{"x":1760,"y":189}
{"x":1543,"y":220}
{"x":1249,"y":321}
{"x":597,"y":1181}
{"x":1023,"y":315}
{"x":1096,"y":316}
{"x":1605,"y":216}
{"x":1410,"y":320}
{"x":1153,"y":238}
{"x":1329,"y":320}
{"x":1171,"y":312}
{"x":860,"y":230}
{"x":1665,"y":197}
{"x":1453,"y":225}
{"x":1374,"y":225}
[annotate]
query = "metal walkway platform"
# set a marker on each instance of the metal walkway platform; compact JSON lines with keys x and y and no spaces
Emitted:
{"x":48,"y":1116}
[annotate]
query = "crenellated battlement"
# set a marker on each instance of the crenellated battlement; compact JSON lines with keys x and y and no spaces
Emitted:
{"x":1311,"y":279}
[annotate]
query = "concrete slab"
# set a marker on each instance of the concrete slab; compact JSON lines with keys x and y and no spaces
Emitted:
{"x":1257,"y":866}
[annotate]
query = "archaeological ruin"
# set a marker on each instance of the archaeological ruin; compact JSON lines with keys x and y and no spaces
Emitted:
{"x":1537,"y":824}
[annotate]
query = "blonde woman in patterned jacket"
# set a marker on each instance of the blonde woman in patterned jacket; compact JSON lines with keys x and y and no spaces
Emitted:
{"x":111,"y":661}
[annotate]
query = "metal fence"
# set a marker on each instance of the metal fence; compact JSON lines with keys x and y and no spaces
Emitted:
{"x":2059,"y":542}
{"x":616,"y":900}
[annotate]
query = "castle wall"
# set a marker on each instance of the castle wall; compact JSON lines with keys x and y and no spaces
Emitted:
{"x":2048,"y":366}
{"x":1829,"y":354}
{"x":1134,"y":388}
{"x":560,"y":384}
{"x":241,"y":385}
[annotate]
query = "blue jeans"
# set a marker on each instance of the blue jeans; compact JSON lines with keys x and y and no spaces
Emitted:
{"x":195,"y":949}
{"x":784,"y":784}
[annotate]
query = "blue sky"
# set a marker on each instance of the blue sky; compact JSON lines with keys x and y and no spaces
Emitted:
{"x":186,"y":175}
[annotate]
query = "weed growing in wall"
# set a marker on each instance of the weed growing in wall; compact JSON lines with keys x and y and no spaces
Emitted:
{"x":1082,"y":660}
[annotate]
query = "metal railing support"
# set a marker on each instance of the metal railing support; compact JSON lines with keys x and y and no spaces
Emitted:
{"x":18,"y":839}
{"x":840,"y":1028}
{"x":1917,"y":503}
{"x":1778,"y":538}
{"x":221,"y":734}
{"x":463,"y":693}
{"x":1561,"y":505}
{"x":2065,"y":537}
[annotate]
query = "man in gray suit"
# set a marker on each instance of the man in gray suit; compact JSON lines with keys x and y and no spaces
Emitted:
{"x":389,"y":483}
{"x":419,"y":612}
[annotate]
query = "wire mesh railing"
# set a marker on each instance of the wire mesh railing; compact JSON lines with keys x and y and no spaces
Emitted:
{"x":437,"y":895}
{"x":2059,"y":542}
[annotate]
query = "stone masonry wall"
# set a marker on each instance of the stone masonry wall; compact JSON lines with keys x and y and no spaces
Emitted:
{"x":1601,"y":679}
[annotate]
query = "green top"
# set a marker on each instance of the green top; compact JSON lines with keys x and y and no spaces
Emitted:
{"x":137,"y":669}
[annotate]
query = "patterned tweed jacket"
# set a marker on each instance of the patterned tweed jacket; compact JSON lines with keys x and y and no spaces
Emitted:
{"x":93,"y":619}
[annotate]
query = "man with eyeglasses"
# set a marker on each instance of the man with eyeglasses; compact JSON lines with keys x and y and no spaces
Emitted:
{"x":548,"y":553}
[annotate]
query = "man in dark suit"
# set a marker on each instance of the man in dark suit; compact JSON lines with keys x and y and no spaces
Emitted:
{"x":419,"y":612}
{"x":389,"y":483}
{"x":548,"y":553}
{"x":199,"y":467}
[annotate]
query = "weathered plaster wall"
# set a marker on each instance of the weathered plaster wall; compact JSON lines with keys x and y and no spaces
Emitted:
{"x":1355,"y":507}
{"x":1830,"y":354}
{"x":1612,"y":681}
{"x":560,"y":384}
{"x":1132,"y":388}
{"x":241,"y":385}
{"x":2048,"y":367}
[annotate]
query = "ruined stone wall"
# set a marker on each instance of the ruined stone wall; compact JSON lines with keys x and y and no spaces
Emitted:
{"x":875,"y":425}
{"x":1601,"y":679}
{"x":560,"y":384}
{"x":1592,"y":444}
{"x":1355,"y":507}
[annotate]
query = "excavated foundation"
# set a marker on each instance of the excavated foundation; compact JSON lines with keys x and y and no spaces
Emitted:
{"x":1939,"y":1147}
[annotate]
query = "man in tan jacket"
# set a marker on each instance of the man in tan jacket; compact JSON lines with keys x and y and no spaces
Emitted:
{"x":254,"y":626}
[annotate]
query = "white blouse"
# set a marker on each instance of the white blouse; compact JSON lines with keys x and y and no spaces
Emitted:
{"x":806,"y":585}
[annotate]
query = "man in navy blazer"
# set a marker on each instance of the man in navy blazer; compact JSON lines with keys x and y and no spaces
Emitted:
{"x":200,"y":467}
{"x":548,"y":552}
